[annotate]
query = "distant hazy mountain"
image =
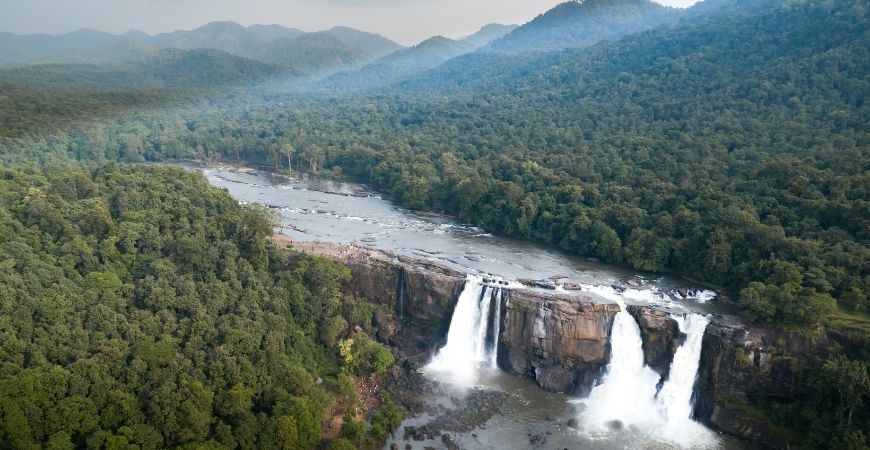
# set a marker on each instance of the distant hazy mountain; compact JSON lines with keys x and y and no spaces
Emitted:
{"x":579,"y":24}
{"x":488,"y":34}
{"x":227,"y":36}
{"x":136,"y":35}
{"x":402,"y":63}
{"x":78,"y":46}
{"x":319,"y":53}
{"x":176,"y":67}
{"x":312,"y":54}
{"x":199,"y":69}
{"x":372,"y":45}
{"x":268,"y":33}
{"x":429,"y":53}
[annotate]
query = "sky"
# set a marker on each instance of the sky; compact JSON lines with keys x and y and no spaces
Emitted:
{"x":405,"y":21}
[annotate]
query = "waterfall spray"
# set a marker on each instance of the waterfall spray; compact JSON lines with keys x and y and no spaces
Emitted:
{"x":627,"y":391}
{"x":627,"y":394}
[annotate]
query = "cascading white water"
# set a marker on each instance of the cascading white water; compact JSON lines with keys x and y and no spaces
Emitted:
{"x":480,"y":353}
{"x":627,"y":392}
{"x":466,"y":350}
{"x":675,"y":398}
{"x":496,"y":329}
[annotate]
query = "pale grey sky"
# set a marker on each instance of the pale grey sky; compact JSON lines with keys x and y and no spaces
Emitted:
{"x":405,"y":21}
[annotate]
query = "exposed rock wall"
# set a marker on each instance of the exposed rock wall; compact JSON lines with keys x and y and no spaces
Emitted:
{"x":562,"y":341}
{"x":422,"y":297}
{"x":660,"y":335}
{"x":558,"y":340}
{"x":737,"y":361}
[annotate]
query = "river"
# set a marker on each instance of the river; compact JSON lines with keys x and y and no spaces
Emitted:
{"x":314,"y":209}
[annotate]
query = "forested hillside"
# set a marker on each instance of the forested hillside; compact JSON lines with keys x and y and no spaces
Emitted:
{"x":488,"y":33}
{"x":581,"y":23}
{"x":43,"y":98}
{"x":400,"y":64}
{"x":732,"y":150}
{"x":141,"y":308}
{"x":138,"y":306}
{"x":295,"y":51}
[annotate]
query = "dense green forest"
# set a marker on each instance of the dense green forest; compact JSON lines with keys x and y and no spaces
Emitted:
{"x":744,"y":166}
{"x":142,"y":308}
{"x":730,"y":148}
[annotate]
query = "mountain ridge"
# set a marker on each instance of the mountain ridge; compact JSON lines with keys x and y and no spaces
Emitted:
{"x":583,"y":23}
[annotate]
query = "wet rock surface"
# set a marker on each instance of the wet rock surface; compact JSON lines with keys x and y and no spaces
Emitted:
{"x":453,"y":413}
{"x":740,"y":360}
{"x":467,"y":413}
{"x":558,"y":340}
{"x":660,"y":335}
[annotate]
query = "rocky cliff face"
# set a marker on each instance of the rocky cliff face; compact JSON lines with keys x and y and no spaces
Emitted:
{"x":660,"y":335}
{"x":561,"y":341}
{"x":421,"y":295}
{"x":739,"y":361}
{"x":558,"y":340}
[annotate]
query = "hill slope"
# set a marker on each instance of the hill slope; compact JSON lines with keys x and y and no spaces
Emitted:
{"x":400,"y":64}
{"x":372,"y":45}
{"x":487,"y":34}
{"x":749,"y":126}
{"x":41,"y":96}
{"x":340,"y":48}
{"x":579,"y":24}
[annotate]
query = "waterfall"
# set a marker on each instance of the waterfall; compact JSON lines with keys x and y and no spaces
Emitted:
{"x":496,"y":329}
{"x":675,"y":399}
{"x":480,"y":353}
{"x":467,"y":348}
{"x":627,"y":395}
{"x":401,"y":293}
{"x":627,"y":391}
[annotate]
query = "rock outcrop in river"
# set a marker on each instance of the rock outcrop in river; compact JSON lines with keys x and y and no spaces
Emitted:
{"x":559,"y":340}
{"x":660,"y":334}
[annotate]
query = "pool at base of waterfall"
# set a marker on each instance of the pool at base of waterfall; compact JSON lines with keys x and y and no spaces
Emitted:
{"x":527,"y":418}
{"x":630,"y":407}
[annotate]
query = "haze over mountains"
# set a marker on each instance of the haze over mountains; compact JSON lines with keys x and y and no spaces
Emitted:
{"x":578,"y":24}
{"x":323,"y":53}
{"x":725,"y":143}
{"x":299,"y":52}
